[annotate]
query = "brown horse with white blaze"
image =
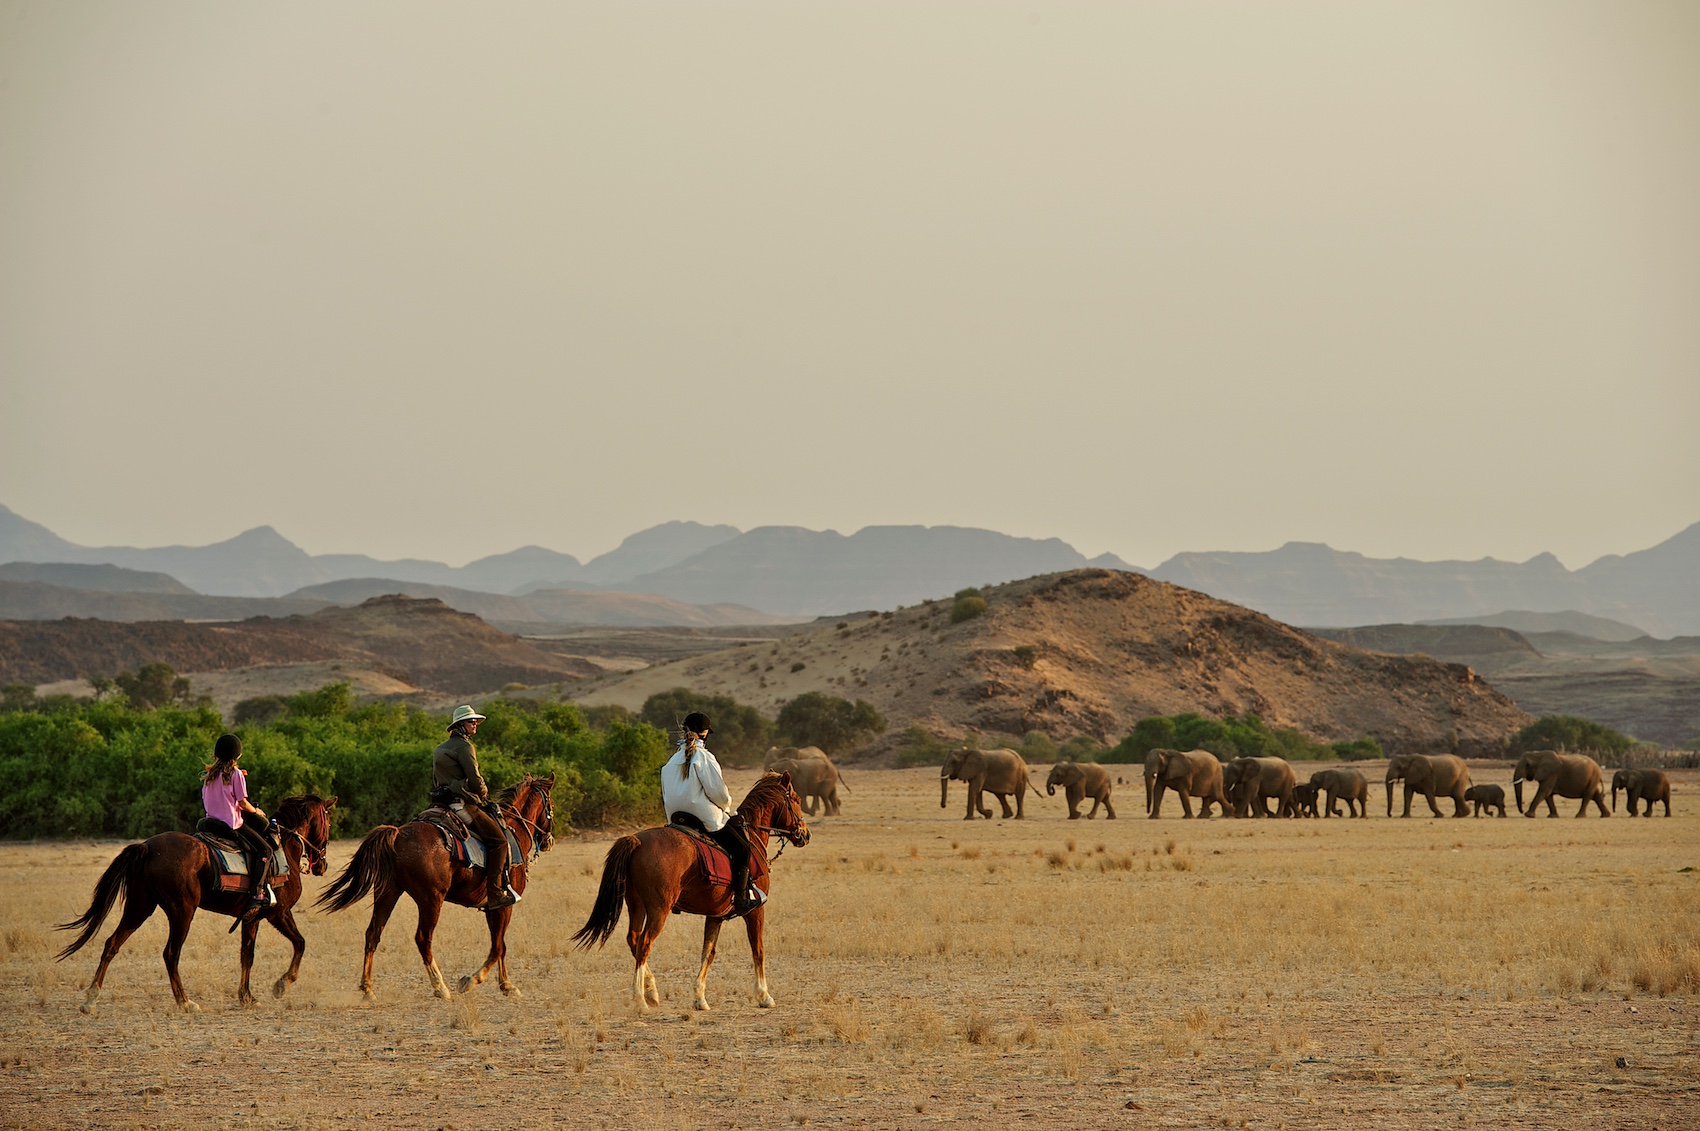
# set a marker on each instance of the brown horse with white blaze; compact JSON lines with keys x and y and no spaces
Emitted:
{"x":654,"y":873}
{"x":412,"y":859}
{"x":174,"y":872}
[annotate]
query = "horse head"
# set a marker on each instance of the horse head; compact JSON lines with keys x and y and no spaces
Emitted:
{"x":772,"y":803}
{"x":309,"y":818}
{"x":533,"y":803}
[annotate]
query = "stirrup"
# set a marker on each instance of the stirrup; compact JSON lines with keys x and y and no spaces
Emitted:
{"x":505,"y":899}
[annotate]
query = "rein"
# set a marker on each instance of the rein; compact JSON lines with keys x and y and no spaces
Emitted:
{"x":307,"y":845}
{"x":537,"y":831}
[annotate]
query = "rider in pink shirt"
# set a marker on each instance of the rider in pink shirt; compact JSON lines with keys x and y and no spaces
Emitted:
{"x":224,"y":793}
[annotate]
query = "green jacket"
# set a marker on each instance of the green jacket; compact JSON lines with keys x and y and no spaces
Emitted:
{"x":455,"y":764}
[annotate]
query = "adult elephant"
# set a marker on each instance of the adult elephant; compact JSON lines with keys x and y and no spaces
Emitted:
{"x":1081,"y":780}
{"x":1349,"y":786}
{"x":796,"y":753}
{"x":1000,"y":772}
{"x":1561,"y":775}
{"x":1641,"y":785}
{"x":816,"y":781}
{"x":1193,"y":773}
{"x":1250,"y":782}
{"x":1432,"y":775}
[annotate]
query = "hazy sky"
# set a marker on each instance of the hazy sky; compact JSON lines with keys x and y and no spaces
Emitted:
{"x":442,"y":279}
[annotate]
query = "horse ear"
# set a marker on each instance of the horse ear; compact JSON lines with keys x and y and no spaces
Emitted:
{"x":550,"y":779}
{"x":785,"y":779}
{"x":330,"y":803}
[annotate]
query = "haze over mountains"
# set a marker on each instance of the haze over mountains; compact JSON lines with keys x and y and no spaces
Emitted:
{"x":795,"y":572}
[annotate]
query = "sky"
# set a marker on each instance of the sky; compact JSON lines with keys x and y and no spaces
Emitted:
{"x":440,"y":280}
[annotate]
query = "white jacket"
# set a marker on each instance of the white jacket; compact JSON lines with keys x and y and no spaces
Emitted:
{"x":701,"y":791}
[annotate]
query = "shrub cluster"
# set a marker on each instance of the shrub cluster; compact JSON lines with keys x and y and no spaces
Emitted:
{"x":1572,"y":734}
{"x":105,"y":768}
{"x":1247,"y":736}
{"x":967,"y":605}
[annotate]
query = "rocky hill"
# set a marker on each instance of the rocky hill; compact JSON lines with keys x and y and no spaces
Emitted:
{"x":1091,"y":652}
{"x":422,"y":642}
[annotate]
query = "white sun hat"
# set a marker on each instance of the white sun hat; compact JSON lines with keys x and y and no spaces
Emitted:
{"x":462,"y":714}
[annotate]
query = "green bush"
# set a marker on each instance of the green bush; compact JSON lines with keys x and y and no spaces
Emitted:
{"x":920,"y":747}
{"x":1036,"y":746}
{"x":104,"y":768}
{"x":1364,"y":749}
{"x":1247,"y":736}
{"x":966,"y":608}
{"x":835,"y":725}
{"x":1572,"y":734}
{"x":742,"y":734}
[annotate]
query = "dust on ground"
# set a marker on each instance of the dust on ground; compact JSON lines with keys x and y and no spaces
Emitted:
{"x":932,"y":971}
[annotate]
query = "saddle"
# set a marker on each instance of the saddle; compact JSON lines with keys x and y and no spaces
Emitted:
{"x":712,"y":860}
{"x":465,"y":849}
{"x":230,"y":860}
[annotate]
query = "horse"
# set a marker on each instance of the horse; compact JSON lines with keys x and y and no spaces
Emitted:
{"x":654,"y":873}
{"x":175,"y":871}
{"x":413,"y":859}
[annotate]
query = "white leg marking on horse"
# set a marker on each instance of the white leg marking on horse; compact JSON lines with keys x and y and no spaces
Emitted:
{"x":437,"y":983}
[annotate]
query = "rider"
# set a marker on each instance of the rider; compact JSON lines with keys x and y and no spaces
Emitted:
{"x":454,"y":773}
{"x":691,"y":784}
{"x":224,"y":794}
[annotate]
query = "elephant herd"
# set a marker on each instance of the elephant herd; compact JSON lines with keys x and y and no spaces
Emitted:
{"x":1246,"y":787}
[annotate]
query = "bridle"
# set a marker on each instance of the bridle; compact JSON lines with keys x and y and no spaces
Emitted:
{"x":313,"y":853}
{"x":539,"y":831}
{"x":797,"y":835}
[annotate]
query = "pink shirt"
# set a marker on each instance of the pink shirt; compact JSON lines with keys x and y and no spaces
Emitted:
{"x":220,"y":797}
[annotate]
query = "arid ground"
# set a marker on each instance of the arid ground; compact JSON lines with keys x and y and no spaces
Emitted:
{"x":931,"y":971}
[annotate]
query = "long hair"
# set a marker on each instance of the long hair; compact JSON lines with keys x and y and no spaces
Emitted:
{"x":221,"y":768}
{"x":692,"y":743}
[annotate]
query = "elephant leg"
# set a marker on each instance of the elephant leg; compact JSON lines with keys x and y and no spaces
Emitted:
{"x":1186,"y":804}
{"x":1410,"y":795}
{"x":1003,"y":799}
{"x":1156,"y":800}
{"x":1110,"y":810}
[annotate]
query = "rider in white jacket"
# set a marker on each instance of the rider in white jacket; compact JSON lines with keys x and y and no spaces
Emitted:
{"x":691,"y":784}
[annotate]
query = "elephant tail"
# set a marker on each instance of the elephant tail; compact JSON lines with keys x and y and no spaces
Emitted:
{"x":842,"y":782}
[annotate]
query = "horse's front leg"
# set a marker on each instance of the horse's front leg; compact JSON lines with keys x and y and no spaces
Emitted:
{"x":752,"y":925}
{"x":710,"y":942}
{"x":498,"y":956}
{"x":284,"y":921}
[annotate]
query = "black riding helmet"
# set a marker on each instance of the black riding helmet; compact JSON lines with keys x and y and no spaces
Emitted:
{"x":697,"y":723}
{"x":228,"y":748}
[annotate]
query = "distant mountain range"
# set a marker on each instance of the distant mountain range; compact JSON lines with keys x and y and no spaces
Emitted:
{"x":794,"y":572}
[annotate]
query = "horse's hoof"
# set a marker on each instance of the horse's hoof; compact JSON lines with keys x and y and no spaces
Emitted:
{"x":246,"y":1001}
{"x":281,"y":987}
{"x":511,"y":990}
{"x":700,"y":1005}
{"x":466,"y":983}
{"x":188,"y":1006}
{"x":765,"y":1002}
{"x":89,"y":1008}
{"x":443,"y":992}
{"x":367,"y":995}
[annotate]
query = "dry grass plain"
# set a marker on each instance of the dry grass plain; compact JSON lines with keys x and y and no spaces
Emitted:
{"x":1138,"y":974}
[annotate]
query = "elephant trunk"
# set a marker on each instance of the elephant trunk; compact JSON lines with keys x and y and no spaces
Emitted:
{"x":1614,"y":797}
{"x":944,"y":790}
{"x":1050,"y":789}
{"x":1389,"y":797}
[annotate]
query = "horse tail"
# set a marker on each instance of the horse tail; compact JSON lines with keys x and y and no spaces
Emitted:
{"x":119,"y":879}
{"x":373,"y":864}
{"x":611,"y":896}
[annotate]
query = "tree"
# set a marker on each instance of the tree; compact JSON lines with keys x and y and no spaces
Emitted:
{"x":153,"y":686}
{"x":742,"y":734}
{"x":835,"y":725}
{"x":1572,"y":734}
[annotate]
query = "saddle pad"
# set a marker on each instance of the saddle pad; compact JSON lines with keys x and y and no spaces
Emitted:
{"x":711,"y":858}
{"x":231,"y":864}
{"x":465,"y":849}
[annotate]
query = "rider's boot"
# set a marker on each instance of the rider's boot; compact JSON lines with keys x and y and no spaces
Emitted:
{"x":497,"y":893}
{"x":745,"y":899}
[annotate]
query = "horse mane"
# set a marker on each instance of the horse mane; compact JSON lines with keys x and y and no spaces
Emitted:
{"x":510,"y":795}
{"x":768,"y":791}
{"x":296,"y":810}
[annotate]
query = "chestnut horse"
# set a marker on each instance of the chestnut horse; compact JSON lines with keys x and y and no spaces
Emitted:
{"x":175,"y":871}
{"x":413,"y":859}
{"x":655,"y":873}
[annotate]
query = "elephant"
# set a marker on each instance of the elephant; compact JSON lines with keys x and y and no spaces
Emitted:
{"x":1001,"y":772}
{"x":1304,"y":799}
{"x":1349,"y":786}
{"x":815,"y":780}
{"x":1247,"y":782}
{"x":1641,"y":785}
{"x":797,"y":753}
{"x":1487,"y":797}
{"x":1194,"y":773}
{"x":1566,"y":775}
{"x":1432,"y":775}
{"x":1081,"y":780}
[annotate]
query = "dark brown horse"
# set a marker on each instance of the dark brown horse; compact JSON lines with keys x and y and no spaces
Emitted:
{"x":655,"y":873}
{"x":174,"y":871}
{"x":413,"y":859}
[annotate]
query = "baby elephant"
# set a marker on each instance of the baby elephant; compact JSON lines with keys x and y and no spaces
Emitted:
{"x":1641,"y":785}
{"x":1081,"y":780}
{"x":1486,"y":797}
{"x":1304,"y":799}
